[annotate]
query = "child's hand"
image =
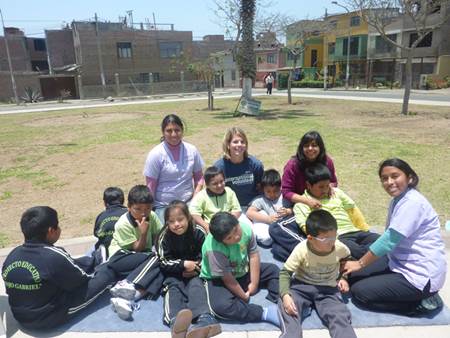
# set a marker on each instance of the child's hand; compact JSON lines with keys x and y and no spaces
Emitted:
{"x":246,"y":297}
{"x":331,"y":192}
{"x":289,"y":305}
{"x":313,"y":203}
{"x":283,"y":212}
{"x":143,"y":225}
{"x":191,"y":266}
{"x":343,"y":286}
{"x":274,"y":218}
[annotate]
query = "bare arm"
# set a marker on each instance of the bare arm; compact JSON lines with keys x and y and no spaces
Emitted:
{"x":232,"y":284}
{"x":352,"y":266}
{"x":200,"y":221}
{"x":311,"y":202}
{"x":141,"y":243}
{"x":256,"y":216}
{"x":255,"y":269}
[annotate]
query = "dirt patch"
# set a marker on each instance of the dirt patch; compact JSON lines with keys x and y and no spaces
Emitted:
{"x":82,"y":118}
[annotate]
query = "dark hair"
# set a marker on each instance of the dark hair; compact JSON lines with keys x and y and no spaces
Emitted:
{"x":36,"y":221}
{"x":271,"y":178}
{"x":212,"y":172}
{"x":316,"y":173}
{"x":171,"y":118}
{"x":308,"y":138}
{"x":320,"y":221}
{"x":113,"y":196}
{"x":403,"y":166}
{"x":177,"y":204}
{"x":221,"y":225}
{"x":140,"y":194}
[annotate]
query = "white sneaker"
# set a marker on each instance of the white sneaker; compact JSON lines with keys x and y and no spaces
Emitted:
{"x":122,"y":307}
{"x":124,"y":289}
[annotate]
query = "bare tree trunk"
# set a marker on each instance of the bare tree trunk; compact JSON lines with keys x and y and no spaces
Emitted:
{"x":408,"y":82}
{"x":247,"y":88}
{"x":289,"y":86}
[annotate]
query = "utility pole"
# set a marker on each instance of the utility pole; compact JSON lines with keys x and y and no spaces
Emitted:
{"x":100,"y":59}
{"x":347,"y":71}
{"x":11,"y":72}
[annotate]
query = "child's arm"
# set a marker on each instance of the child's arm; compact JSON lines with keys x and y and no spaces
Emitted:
{"x":141,"y":243}
{"x":200,"y":221}
{"x":255,"y":269}
{"x":254,"y":214}
{"x":288,"y":302}
{"x":232,"y":284}
{"x":236,"y":214}
{"x":357,"y":218}
{"x":343,"y":285}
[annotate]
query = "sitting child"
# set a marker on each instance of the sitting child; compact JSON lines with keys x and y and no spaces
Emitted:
{"x":352,"y":230}
{"x":45,"y":285}
{"x":131,"y":253}
{"x":180,"y":252}
{"x":268,"y":208}
{"x":232,"y":268}
{"x":216,"y":197}
{"x":352,"y":227}
{"x":315,"y":265}
{"x":113,"y":199}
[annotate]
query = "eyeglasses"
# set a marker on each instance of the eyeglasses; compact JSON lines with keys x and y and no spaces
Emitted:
{"x":325,"y":239}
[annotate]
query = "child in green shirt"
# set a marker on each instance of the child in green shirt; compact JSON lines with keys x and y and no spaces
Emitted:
{"x":232,"y":268}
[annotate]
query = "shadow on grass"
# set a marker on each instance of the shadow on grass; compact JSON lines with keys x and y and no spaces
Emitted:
{"x":269,"y":114}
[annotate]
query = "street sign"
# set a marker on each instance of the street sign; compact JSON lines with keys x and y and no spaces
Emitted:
{"x":248,"y":107}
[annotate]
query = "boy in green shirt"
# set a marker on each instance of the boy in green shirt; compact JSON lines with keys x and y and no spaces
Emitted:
{"x":131,"y":253}
{"x":232,"y":268}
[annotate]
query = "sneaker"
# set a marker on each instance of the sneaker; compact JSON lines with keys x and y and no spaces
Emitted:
{"x":124,"y":289}
{"x":206,"y":326}
{"x":429,"y":304}
{"x":122,"y":307}
{"x":100,"y":255}
{"x":180,"y":324}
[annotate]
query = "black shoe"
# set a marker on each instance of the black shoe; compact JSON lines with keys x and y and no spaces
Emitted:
{"x":205,"y":326}
{"x":429,"y":304}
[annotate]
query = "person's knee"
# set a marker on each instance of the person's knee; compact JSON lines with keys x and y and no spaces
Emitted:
{"x":360,"y":294}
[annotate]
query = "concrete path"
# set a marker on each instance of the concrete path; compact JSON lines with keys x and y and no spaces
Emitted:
{"x":78,"y":246}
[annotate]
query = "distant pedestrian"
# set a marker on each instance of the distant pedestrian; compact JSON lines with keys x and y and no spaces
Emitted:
{"x":269,"y":83}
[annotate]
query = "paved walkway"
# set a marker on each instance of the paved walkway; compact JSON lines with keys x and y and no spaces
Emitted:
{"x":78,"y":246}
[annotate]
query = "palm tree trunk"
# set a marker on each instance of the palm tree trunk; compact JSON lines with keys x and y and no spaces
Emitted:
{"x":246,"y":59}
{"x":408,"y":82}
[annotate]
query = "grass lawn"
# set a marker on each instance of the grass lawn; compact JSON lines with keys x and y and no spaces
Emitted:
{"x":65,"y":159}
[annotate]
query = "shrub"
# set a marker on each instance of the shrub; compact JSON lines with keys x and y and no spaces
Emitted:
{"x":31,"y":95}
{"x":307,"y":84}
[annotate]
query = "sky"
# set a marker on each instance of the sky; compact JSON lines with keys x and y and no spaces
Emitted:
{"x":34,"y":16}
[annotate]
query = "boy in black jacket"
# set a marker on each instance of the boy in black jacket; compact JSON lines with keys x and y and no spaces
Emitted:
{"x":113,"y":198}
{"x":45,"y":285}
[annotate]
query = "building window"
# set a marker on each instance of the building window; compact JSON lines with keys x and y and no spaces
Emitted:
{"x":259,"y":59}
{"x":331,"y":48}
{"x":124,"y":50}
{"x":333,"y":24}
{"x":382,"y":46}
{"x":39,"y":45}
{"x":233,"y":75}
{"x":291,"y":56}
{"x":426,"y":41}
{"x":355,"y":21}
{"x":156,"y":77}
{"x":144,"y":77}
{"x":271,"y":58}
{"x":354,"y":45}
{"x":170,"y":49}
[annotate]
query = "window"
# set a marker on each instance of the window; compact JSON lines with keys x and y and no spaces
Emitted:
{"x":426,"y":41}
{"x":354,"y":45}
{"x":333,"y":24}
{"x":170,"y":49}
{"x":144,"y":77}
{"x":331,"y":48}
{"x":355,"y":21}
{"x":155,"y":77}
{"x":382,"y":46}
{"x":291,"y":56}
{"x":271,"y":58}
{"x":124,"y":50}
{"x":233,"y":75}
{"x":39,"y":45}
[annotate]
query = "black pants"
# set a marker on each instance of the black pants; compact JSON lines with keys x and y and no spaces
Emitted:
{"x":139,"y":268}
{"x":286,"y":234}
{"x":329,"y":306}
{"x":269,"y":88}
{"x":226,"y":305}
{"x":358,"y":242}
{"x":184,"y":294}
{"x":77,"y":300}
{"x":387,"y":291}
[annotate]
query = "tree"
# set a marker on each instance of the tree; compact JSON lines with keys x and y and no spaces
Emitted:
{"x":206,"y":70}
{"x":246,"y":53}
{"x":421,"y":17}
